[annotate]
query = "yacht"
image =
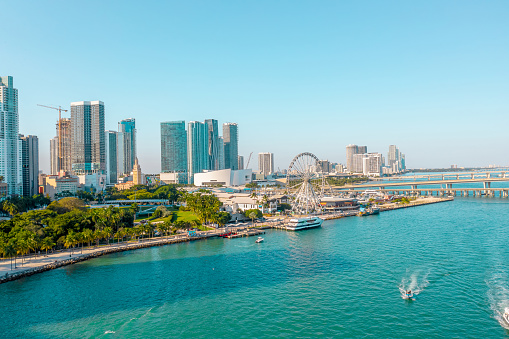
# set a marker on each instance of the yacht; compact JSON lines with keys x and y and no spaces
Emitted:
{"x":298,"y":224}
{"x":259,"y":240}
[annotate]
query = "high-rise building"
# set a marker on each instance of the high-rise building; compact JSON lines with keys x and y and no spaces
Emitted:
{"x":10,"y":154}
{"x":324,"y":166}
{"x":127,"y":130}
{"x":197,"y":151}
{"x":53,"y":152}
{"x":30,"y":164}
{"x":221,"y":152}
{"x":111,"y":157}
{"x":395,"y":159}
{"x":212,"y":144}
{"x":137,"y":174}
{"x":350,"y":151}
{"x":88,"y":152}
{"x":62,"y":150}
{"x":231,"y":145}
{"x":241,"y":162}
{"x":266,"y":163}
{"x":369,"y":164}
{"x":173,"y":147}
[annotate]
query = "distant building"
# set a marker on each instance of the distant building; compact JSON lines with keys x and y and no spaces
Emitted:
{"x":324,"y":166}
{"x":53,"y":151}
{"x":173,"y":178}
{"x":351,"y":150}
{"x":197,"y":152}
{"x":111,"y":157}
{"x":212,"y":144}
{"x":173,"y":147}
{"x":240,"y":162}
{"x":395,"y":159}
{"x":30,"y":164}
{"x":93,"y":182}
{"x":10,"y":152}
{"x":369,"y":164}
{"x":266,"y":163}
{"x":221,"y":152}
{"x":231,"y":145}
{"x":88,"y":151}
{"x":137,"y":178}
{"x":55,"y":184}
{"x":226,"y":177}
{"x":127,"y":131}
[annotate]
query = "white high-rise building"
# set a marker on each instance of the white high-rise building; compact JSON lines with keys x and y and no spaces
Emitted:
{"x":266,"y":163}
{"x":10,"y":150}
{"x":369,"y":164}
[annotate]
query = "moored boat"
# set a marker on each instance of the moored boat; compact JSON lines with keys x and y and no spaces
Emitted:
{"x":368,"y":211}
{"x":297,"y":224}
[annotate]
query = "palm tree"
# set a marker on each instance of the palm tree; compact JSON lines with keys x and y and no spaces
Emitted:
{"x":33,"y":244}
{"x":88,"y":236}
{"x":10,"y":252}
{"x":80,"y":239}
{"x":108,"y":232}
{"x":22,"y":248}
{"x":47,"y":244}
{"x":98,"y":235}
{"x":252,"y":215}
{"x":70,"y":240}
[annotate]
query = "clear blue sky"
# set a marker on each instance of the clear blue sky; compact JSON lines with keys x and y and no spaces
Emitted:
{"x":428,"y":76}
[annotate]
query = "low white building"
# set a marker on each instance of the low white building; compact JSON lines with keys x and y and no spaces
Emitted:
{"x":226,"y":177}
{"x":173,"y":178}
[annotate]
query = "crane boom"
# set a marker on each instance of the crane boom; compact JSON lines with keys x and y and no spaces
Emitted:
{"x":249,"y":159}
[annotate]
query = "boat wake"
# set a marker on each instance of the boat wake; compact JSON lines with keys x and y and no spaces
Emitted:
{"x":417,"y":282}
{"x":498,"y":296}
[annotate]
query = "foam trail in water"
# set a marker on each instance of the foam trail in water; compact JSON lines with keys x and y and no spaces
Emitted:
{"x":498,"y":296}
{"x":416,"y":283}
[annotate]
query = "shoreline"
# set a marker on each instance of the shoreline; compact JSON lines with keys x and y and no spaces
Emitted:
{"x":45,"y":263}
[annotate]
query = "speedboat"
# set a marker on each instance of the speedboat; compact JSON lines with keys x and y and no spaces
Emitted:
{"x":506,"y":315}
{"x":259,"y":240}
{"x":298,"y":224}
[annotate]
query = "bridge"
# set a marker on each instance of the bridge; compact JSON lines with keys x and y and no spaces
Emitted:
{"x":451,"y":175}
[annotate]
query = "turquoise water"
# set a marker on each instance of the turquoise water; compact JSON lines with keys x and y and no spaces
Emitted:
{"x":341,"y":280}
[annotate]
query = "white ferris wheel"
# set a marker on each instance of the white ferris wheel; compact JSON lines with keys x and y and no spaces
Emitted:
{"x":305,"y":183}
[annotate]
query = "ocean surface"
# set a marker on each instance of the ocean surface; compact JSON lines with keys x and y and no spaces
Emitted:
{"x":340,"y":280}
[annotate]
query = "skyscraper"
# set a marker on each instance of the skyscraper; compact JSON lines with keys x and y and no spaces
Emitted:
{"x":10,"y":155}
{"x":395,"y":159}
{"x":53,"y":152}
{"x":128,"y":128}
{"x":350,"y":151}
{"x":88,"y":152}
{"x":231,"y":145}
{"x":30,"y":164}
{"x":221,"y":152}
{"x":212,"y":144}
{"x":111,"y":157}
{"x":266,"y":163}
{"x":241,"y":162}
{"x":173,"y":147}
{"x":63,"y":155}
{"x":197,"y":151}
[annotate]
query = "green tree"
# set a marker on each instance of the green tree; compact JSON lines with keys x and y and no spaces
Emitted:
{"x":10,"y":252}
{"x":70,"y":241}
{"x":47,"y":244}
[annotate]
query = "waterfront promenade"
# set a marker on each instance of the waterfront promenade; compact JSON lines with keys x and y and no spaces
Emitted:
{"x":42,"y":262}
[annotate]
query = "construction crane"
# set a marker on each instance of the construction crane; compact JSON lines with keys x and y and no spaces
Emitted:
{"x":249,"y":159}
{"x":59,"y":157}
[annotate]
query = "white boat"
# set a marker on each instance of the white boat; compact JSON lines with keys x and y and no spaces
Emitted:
{"x":506,"y":315}
{"x":298,"y":224}
{"x":259,"y":240}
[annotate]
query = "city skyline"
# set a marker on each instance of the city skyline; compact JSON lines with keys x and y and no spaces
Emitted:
{"x":429,"y":87}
